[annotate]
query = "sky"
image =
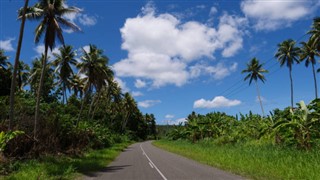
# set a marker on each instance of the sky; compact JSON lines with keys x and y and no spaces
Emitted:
{"x":180,"y":56}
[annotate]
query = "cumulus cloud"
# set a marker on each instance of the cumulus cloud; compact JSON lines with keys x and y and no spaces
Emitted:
{"x":169,"y":116}
{"x":162,"y":50}
{"x":40,"y":50}
{"x":122,"y":85}
{"x":136,"y":93}
{"x":87,"y":20}
{"x":7,"y":44}
{"x":176,"y":121}
{"x":140,"y":83}
{"x":216,"y":102}
{"x":148,"y":103}
{"x":272,"y":15}
{"x":218,"y":71}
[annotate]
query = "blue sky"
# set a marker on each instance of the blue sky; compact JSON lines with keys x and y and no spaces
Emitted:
{"x":176,"y":57}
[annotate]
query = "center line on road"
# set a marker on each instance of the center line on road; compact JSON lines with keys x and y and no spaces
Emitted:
{"x":151,"y":163}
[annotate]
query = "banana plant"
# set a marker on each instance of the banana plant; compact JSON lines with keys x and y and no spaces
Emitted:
{"x":301,"y":125}
{"x":5,"y":137}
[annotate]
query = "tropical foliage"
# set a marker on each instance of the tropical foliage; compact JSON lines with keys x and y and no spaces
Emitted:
{"x":76,"y":104}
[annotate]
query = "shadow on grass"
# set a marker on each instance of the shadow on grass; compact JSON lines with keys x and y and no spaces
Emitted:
{"x":64,"y":167}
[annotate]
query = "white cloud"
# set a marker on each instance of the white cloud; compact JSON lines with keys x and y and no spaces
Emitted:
{"x":148,"y":103}
{"x":136,"y":93}
{"x":177,"y":121}
{"x":169,"y":116}
{"x":122,"y":85}
{"x":87,"y":20}
{"x":7,"y":44}
{"x":162,"y":50}
{"x":216,"y":102}
{"x":271,"y":15}
{"x":218,"y":72}
{"x":40,"y":50}
{"x":213,"y":11}
{"x":140,"y":83}
{"x":86,"y":48}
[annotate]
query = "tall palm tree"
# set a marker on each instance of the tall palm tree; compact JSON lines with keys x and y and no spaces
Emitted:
{"x":288,"y":54}
{"x":307,"y":54}
{"x":16,"y":62}
{"x":93,"y":67}
{"x":315,"y":33}
{"x":255,"y":73}
{"x":50,"y":12}
{"x":63,"y":63}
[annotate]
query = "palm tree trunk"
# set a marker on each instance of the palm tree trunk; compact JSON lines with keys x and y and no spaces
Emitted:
{"x":44,"y":64}
{"x":291,"y":82}
{"x":94,"y":108}
{"x":91,"y":105}
{"x":81,"y":109}
{"x":258,"y":91}
{"x":315,"y":81}
{"x":16,"y":63}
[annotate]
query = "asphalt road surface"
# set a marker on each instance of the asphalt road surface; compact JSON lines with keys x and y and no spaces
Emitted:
{"x":143,"y":161}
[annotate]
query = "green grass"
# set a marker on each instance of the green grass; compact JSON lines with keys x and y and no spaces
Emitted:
{"x":64,"y":167}
{"x":253,"y":161}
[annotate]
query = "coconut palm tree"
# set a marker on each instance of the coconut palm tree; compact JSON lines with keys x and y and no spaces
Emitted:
{"x":63,"y":63}
{"x":315,"y":33}
{"x":35,"y":74}
{"x":254,"y":73}
{"x":3,"y":60}
{"x":5,"y":75}
{"x":77,"y":85}
{"x":93,"y":67}
{"x":50,"y":13}
{"x":16,"y":61}
{"x":288,"y":54}
{"x":307,"y":54}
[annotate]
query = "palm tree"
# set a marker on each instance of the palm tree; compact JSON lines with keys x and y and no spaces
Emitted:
{"x":51,"y":14}
{"x":16,"y":62}
{"x":93,"y":66}
{"x":63,"y":63}
{"x":129,"y":107}
{"x":3,"y":60}
{"x":315,"y":33}
{"x":35,"y":74}
{"x":255,"y":70}
{"x":287,"y":54}
{"x":308,"y":53}
{"x":77,"y":85}
{"x":22,"y":74}
{"x":5,"y":75}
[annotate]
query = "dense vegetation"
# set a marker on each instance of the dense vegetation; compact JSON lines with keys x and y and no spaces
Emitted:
{"x":66,"y":103}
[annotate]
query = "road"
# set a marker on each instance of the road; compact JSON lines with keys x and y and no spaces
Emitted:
{"x":143,"y":161}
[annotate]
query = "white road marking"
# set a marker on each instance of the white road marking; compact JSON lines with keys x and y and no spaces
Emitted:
{"x":150,"y":165}
{"x":164,"y":178}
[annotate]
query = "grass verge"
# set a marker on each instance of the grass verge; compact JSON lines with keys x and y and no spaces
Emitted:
{"x":253,"y":161}
{"x":64,"y":167}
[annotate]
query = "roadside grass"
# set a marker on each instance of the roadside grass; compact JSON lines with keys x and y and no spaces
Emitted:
{"x":251,"y":160}
{"x":64,"y":167}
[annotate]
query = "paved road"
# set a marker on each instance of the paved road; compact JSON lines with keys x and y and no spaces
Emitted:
{"x":143,"y":161}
